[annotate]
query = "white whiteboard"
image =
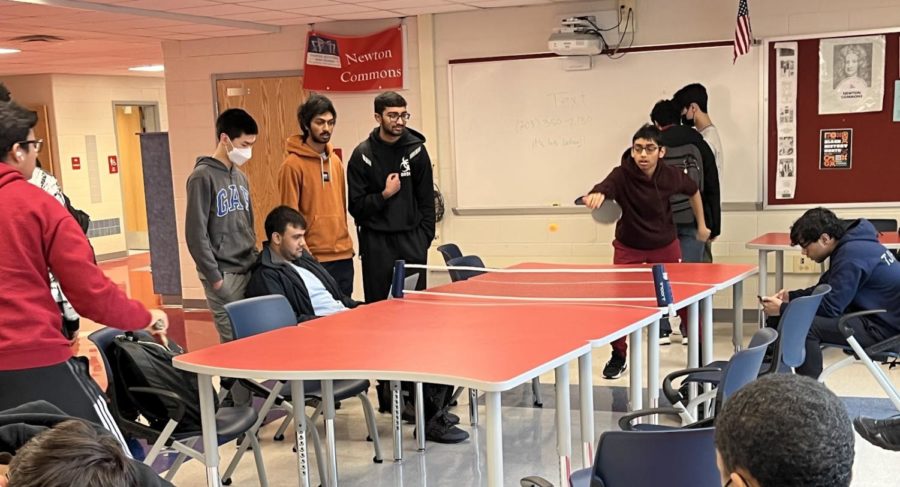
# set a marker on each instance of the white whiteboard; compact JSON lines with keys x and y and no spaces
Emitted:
{"x":526,"y":133}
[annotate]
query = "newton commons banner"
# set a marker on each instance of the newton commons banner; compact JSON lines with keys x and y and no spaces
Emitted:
{"x":342,"y":63}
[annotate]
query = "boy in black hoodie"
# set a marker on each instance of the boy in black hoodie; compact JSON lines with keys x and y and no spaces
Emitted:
{"x":391,"y":193}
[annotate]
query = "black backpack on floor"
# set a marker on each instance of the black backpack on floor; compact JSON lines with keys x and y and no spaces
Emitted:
{"x":141,"y":362}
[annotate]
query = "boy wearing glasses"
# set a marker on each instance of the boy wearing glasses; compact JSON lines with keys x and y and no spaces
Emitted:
{"x":312,"y":182}
{"x":645,"y":233}
{"x":392,"y":200}
{"x":863,"y":275}
{"x":391,"y":196}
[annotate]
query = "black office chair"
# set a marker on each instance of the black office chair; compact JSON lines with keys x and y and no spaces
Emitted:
{"x":449,"y":251}
{"x":231,"y":422}
{"x":467,"y":261}
{"x":673,"y":458}
{"x":882,"y":225}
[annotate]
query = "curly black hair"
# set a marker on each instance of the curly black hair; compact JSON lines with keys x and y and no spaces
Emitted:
{"x":816,"y":221}
{"x":788,"y":431}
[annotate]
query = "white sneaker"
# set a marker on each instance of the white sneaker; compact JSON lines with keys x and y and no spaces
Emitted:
{"x":684,"y":340}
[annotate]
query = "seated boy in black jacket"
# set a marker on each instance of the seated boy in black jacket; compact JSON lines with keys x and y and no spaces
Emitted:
{"x":286,"y":267}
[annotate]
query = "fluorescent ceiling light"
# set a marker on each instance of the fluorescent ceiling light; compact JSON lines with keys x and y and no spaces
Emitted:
{"x":153,"y":68}
{"x":4,"y":50}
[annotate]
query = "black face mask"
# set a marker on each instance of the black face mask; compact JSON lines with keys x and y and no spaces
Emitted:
{"x":686,"y":121}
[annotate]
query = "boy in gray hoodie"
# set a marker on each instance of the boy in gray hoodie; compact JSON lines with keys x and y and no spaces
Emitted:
{"x":219,"y":221}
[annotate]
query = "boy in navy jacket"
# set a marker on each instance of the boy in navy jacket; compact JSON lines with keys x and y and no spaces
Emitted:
{"x":863,"y":275}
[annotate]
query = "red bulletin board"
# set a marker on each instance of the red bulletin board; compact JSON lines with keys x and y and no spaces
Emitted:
{"x":875,"y":175}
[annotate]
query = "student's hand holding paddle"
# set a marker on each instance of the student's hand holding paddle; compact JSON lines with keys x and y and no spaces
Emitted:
{"x":593,"y":200}
{"x":391,"y":185}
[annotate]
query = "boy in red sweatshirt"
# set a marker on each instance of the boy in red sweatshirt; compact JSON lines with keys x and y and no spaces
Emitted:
{"x":36,"y":360}
{"x":645,"y":233}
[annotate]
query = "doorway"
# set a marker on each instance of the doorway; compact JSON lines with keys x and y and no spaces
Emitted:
{"x":272,"y":100}
{"x":133,"y":119}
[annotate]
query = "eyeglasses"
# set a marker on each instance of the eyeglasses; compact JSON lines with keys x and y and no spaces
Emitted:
{"x":650,"y":149}
{"x":36,"y":143}
{"x":393,"y":116}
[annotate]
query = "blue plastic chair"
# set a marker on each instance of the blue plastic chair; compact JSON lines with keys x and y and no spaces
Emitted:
{"x":262,"y":314}
{"x":742,"y":369}
{"x":793,"y":327}
{"x":467,"y":261}
{"x":673,"y":458}
{"x":450,"y":251}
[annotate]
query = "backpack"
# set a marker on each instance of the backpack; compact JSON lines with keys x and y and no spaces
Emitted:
{"x":685,"y":158}
{"x":141,"y":362}
{"x":83,"y":219}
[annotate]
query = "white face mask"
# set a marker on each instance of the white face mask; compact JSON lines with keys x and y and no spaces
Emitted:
{"x":240,"y":155}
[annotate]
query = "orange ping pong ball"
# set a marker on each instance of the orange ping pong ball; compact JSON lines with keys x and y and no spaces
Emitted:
{"x":553,"y":227}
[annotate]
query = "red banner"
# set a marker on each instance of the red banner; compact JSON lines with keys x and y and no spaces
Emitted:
{"x":341,"y":63}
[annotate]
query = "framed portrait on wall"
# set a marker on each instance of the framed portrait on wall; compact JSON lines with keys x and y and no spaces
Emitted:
{"x":851,"y":74}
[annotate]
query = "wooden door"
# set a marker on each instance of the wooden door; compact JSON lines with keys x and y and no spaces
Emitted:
{"x":129,"y":123}
{"x":273,"y":103}
{"x":42,"y":131}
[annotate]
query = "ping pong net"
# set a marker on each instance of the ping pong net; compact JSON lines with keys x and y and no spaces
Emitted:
{"x":638,"y":286}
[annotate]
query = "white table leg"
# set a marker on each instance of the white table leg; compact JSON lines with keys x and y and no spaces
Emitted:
{"x":494,"y":428}
{"x":737,"y":298}
{"x":653,"y":365}
{"x":693,"y":348}
{"x":707,"y":330}
{"x":396,"y":411}
{"x":763,"y":271}
{"x":420,"y":417}
{"x":330,"y":444}
{"x":473,"y":407}
{"x":586,"y":393}
{"x":779,"y":271}
{"x":563,"y":423}
{"x":635,"y":376}
{"x":208,"y":425}
{"x":298,"y":396}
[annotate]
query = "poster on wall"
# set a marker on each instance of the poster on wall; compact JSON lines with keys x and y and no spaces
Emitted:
{"x":835,"y":148}
{"x":851,"y":74}
{"x":359,"y":63}
{"x":786,"y":103}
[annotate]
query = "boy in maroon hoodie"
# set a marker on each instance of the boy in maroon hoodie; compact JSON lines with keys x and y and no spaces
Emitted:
{"x":645,"y":233}
{"x":36,"y":360}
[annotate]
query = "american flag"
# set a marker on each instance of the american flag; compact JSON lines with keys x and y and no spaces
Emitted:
{"x":742,"y":33}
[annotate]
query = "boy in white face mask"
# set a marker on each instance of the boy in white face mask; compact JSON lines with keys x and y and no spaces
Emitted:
{"x":219,"y":221}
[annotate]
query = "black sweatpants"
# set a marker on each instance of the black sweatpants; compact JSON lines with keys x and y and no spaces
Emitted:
{"x":342,"y":272}
{"x":379,"y":251}
{"x":825,"y":330}
{"x":67,"y":385}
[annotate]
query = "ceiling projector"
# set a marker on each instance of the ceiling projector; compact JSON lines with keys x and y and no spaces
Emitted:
{"x":574,"y":44}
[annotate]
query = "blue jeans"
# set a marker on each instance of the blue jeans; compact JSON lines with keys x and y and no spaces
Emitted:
{"x":692,"y":250}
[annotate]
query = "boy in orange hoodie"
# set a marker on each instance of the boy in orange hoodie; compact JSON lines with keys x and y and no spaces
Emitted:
{"x":312,"y":181}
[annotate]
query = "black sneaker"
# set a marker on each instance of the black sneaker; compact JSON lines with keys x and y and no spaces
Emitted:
{"x":614,"y":368}
{"x":439,"y":430}
{"x":453,"y":419}
{"x":884,"y":433}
